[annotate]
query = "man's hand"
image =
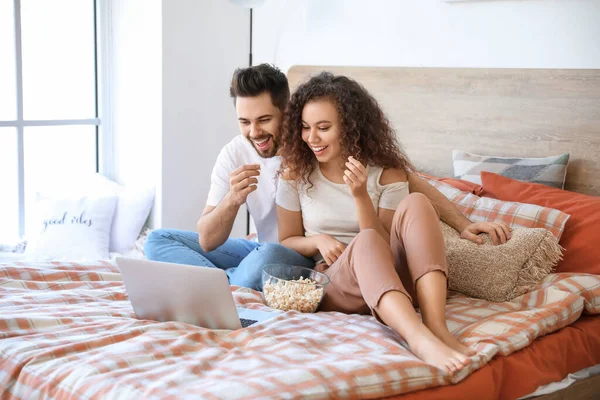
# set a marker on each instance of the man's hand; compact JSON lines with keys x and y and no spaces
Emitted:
{"x":330,"y":248}
{"x":498,"y":231}
{"x":242,"y":183}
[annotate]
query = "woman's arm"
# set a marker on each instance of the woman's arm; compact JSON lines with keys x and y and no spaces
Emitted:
{"x":289,"y":218}
{"x":291,"y":232}
{"x":388,"y":177}
{"x":356,"y":176}
{"x":448,"y":212}
{"x":291,"y":226}
{"x":368,"y":218}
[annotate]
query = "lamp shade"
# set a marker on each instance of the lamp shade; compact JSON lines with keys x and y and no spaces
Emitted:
{"x":247,"y":3}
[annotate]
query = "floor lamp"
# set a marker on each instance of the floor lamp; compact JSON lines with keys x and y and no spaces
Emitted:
{"x":248,"y":4}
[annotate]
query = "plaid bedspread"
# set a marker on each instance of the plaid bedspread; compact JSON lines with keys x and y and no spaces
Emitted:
{"x":67,"y":331}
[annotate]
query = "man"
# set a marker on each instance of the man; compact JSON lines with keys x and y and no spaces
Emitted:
{"x":246,"y":172}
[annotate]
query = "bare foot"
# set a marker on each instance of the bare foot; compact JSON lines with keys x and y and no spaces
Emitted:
{"x":445,"y":336}
{"x":454,"y":344}
{"x":425,"y":345}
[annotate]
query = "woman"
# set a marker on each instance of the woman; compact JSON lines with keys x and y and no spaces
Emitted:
{"x":343,"y":199}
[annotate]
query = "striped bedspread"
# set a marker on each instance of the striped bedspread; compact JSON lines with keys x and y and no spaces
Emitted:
{"x":67,"y":331}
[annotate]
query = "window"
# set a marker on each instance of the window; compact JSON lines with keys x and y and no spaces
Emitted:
{"x":48,"y":102}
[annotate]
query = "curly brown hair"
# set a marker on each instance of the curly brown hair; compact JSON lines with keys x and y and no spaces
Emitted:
{"x":366,"y":133}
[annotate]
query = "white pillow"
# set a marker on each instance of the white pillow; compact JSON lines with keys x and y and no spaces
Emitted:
{"x":71,"y":229}
{"x":133,"y":207}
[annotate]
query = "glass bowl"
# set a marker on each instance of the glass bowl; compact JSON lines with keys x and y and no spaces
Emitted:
{"x":284,"y":287}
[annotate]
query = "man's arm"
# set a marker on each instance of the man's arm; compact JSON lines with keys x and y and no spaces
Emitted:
{"x":498,"y":231}
{"x":214,"y":226}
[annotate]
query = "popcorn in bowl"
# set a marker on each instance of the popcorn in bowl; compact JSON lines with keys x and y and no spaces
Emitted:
{"x":290,"y":287}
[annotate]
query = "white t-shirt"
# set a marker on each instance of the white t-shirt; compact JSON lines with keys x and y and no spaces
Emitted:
{"x":329,"y":208}
{"x":261,"y":202}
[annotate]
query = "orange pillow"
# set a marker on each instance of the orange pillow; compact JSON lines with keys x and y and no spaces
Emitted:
{"x":460,"y":184}
{"x":580,"y":238}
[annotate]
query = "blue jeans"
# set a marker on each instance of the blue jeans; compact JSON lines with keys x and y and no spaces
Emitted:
{"x":241,"y":259}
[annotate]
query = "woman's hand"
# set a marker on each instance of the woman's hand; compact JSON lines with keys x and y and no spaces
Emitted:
{"x":355,"y":177}
{"x":330,"y":248}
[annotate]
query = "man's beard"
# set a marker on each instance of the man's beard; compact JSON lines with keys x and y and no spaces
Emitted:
{"x":271,"y":151}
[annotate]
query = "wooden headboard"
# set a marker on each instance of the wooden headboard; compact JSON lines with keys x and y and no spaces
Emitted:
{"x":501,"y":112}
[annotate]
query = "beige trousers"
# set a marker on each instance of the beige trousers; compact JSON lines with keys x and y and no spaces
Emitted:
{"x":371,"y":267}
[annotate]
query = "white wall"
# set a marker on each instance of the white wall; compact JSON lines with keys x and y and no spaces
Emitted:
{"x":203,"y":42}
{"x":134,"y":66}
{"x":432,"y":33}
{"x":173,"y":61}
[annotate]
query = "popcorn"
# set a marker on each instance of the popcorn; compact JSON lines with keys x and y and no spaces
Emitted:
{"x":300,"y":295}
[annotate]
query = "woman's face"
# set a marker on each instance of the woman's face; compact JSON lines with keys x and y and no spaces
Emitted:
{"x":321,"y":130}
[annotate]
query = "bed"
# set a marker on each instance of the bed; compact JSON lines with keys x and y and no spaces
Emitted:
{"x":68,"y":331}
{"x":506,"y":112}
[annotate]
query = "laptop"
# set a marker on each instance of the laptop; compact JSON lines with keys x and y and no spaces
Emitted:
{"x":195,"y":295}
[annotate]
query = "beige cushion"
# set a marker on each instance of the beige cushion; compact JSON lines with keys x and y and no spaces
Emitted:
{"x":503,"y":272}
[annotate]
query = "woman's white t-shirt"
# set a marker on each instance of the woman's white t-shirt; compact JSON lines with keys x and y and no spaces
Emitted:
{"x":329,"y":208}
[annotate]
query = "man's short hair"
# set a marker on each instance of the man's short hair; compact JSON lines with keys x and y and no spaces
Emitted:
{"x":253,"y":81}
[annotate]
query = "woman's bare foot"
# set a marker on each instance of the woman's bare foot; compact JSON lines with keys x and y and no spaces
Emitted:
{"x":445,"y":336}
{"x":454,"y":344}
{"x":425,"y":345}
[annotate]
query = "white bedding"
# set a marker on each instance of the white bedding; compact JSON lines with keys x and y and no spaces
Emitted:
{"x":6,"y":257}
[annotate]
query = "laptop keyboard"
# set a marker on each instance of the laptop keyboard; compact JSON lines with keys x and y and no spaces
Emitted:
{"x":247,"y":322}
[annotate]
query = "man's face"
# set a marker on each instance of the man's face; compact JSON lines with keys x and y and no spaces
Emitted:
{"x":259,"y":122}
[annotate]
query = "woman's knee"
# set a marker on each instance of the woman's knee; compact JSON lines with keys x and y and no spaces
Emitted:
{"x":368,"y":236}
{"x":369,"y":241}
{"x":370,"y":244}
{"x":416,"y":202}
{"x":414,"y":199}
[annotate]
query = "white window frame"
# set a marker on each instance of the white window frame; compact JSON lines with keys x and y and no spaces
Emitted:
{"x":20,"y":123}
